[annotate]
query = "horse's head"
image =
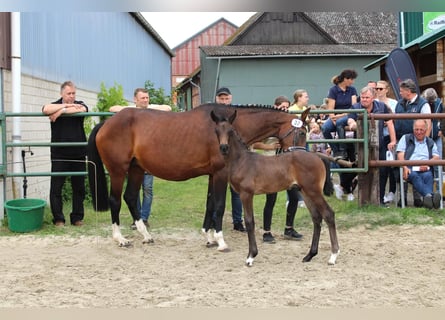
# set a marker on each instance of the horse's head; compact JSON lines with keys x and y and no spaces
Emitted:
{"x":223,"y":129}
{"x":296,"y":135}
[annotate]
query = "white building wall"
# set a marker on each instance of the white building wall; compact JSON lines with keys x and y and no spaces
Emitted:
{"x":35,"y":93}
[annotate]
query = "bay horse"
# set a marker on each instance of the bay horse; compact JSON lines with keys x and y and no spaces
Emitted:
{"x":251,"y":173}
{"x":173,"y":146}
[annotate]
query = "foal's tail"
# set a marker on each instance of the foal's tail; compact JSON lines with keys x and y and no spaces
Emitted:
{"x":328,"y":188}
{"x":96,"y":173}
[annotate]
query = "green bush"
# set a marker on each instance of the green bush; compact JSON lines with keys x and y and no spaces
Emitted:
{"x":110,"y":97}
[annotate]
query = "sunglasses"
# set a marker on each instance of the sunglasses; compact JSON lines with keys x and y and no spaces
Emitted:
{"x":380,"y":89}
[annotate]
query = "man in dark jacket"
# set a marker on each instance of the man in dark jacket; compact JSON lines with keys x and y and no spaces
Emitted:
{"x":410,"y":102}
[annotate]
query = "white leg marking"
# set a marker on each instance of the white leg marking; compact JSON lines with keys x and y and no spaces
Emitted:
{"x":143,"y":230}
{"x":222,"y":246}
{"x":117,"y":235}
{"x":333,"y":258}
{"x":211,"y":241}
{"x":249,"y":261}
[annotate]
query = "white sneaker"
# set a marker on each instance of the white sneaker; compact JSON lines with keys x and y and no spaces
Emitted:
{"x":351,"y":197}
{"x":338,"y":191}
{"x":388,"y":197}
{"x":301,"y":204}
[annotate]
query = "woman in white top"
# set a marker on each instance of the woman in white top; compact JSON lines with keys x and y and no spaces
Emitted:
{"x":381,"y":92}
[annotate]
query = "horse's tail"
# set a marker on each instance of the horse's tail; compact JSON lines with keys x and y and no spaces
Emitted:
{"x":96,"y":173}
{"x":328,"y":188}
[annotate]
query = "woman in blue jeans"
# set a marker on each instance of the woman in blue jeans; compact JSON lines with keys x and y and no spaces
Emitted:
{"x":341,"y":96}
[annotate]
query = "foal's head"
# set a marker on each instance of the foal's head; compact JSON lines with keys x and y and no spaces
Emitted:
{"x":223,"y":130}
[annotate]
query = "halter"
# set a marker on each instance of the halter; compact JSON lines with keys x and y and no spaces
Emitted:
{"x":296,"y":125}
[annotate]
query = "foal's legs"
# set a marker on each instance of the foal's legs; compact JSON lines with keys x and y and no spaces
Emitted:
{"x":319,"y":210}
{"x":247,"y":199}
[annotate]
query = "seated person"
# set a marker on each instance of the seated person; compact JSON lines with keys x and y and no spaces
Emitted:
{"x":316,"y":134}
{"x":417,"y":146}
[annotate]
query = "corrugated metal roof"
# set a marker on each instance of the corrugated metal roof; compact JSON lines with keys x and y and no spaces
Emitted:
{"x":221,"y":20}
{"x":140,"y":18}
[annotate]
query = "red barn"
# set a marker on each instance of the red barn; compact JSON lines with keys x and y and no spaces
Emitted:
{"x":186,"y":58}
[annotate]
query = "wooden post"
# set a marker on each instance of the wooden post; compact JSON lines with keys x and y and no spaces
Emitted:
{"x":368,"y":182}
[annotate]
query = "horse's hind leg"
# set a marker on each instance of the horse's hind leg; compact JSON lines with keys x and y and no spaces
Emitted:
{"x":321,"y":210}
{"x":134,"y":182}
{"x":117,"y":181}
{"x":329,"y":218}
{"x":316,"y":221}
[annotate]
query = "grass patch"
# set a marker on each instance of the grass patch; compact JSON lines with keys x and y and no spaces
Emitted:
{"x":181,"y":205}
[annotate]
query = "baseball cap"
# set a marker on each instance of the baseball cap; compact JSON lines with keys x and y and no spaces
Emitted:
{"x":223,"y":90}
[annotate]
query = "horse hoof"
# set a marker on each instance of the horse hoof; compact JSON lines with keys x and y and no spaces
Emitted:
{"x":211,"y":244}
{"x":332,"y":259}
{"x":148,"y":241}
{"x":125,"y":244}
{"x":224,"y":249}
{"x":249,"y":262}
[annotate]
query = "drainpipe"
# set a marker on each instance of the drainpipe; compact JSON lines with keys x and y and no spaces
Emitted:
{"x":402,"y":30}
{"x":217,"y":79}
{"x":199,"y":91}
{"x":16,"y":73}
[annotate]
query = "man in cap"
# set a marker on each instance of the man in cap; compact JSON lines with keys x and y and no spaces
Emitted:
{"x":224,"y":96}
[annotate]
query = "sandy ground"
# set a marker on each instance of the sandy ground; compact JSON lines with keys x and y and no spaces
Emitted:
{"x":397,"y":266}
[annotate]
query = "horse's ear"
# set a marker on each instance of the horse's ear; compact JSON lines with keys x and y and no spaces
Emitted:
{"x":214,"y":116}
{"x":305,"y":114}
{"x":232,"y":117}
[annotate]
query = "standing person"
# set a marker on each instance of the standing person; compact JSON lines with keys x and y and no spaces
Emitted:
{"x":371,"y":105}
{"x":410,"y":102}
{"x":301,"y":99}
{"x":418,"y":146}
{"x":341,"y":96}
{"x":64,"y":159}
{"x":382,"y":91}
{"x":224,"y":96}
{"x":141,"y":100}
{"x":271,"y":146}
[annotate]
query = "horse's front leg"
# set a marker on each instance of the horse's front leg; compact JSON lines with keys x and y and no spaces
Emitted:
{"x":220,"y":190}
{"x":209,"y":218}
{"x":249,"y":219}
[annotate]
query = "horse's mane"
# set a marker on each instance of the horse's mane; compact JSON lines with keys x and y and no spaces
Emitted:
{"x":246,"y":106}
{"x":237,"y":136}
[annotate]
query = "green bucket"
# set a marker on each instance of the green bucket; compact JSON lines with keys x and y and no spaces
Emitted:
{"x":25,"y":215}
